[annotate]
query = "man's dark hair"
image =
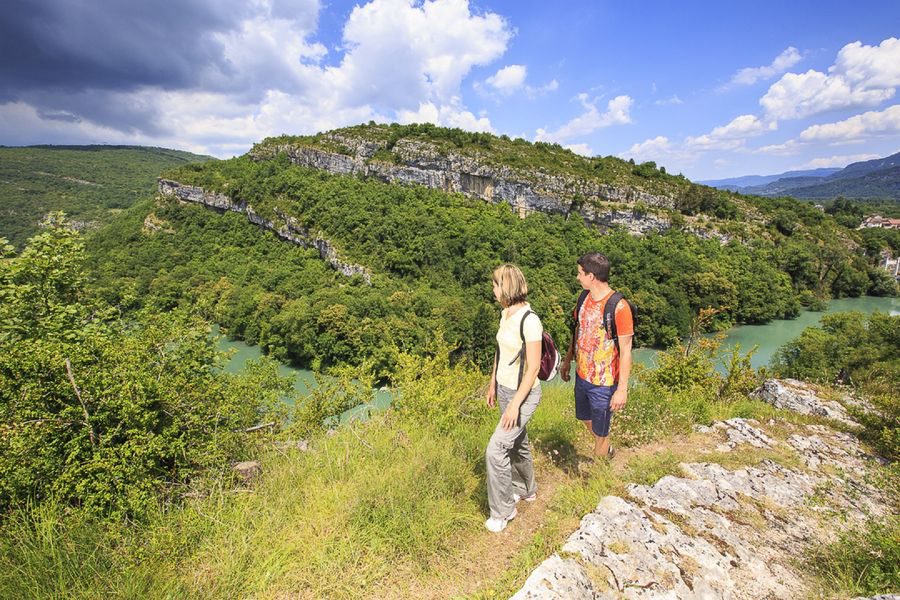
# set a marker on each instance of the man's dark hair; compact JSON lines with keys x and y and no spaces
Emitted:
{"x":596,"y":264}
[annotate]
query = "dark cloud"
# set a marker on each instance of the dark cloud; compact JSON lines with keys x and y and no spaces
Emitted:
{"x":125,"y":112}
{"x":71,"y":45}
{"x":58,"y":115}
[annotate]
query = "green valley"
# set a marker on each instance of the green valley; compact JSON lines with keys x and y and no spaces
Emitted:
{"x":90,"y":183}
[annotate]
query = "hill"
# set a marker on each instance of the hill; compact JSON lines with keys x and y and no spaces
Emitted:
{"x":736,"y":184}
{"x":413,"y":219}
{"x":878,"y":178}
{"x":90,"y":183}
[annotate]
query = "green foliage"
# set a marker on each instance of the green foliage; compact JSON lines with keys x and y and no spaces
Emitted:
{"x":694,"y":199}
{"x":328,"y":400}
{"x":432,"y":391}
{"x":647,"y":470}
{"x":846,"y":212}
{"x":90,"y":183}
{"x":865,"y":352}
{"x":864,"y":561}
{"x":102,"y":412}
{"x":517,"y":154}
{"x":433,"y":254}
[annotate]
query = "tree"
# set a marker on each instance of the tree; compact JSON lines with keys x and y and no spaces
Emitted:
{"x":102,"y":412}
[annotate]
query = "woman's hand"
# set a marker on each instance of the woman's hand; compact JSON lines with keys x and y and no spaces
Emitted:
{"x":510,"y":416}
{"x":491,"y":399}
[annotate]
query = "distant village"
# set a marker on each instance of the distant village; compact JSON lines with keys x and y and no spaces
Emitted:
{"x":879,"y":221}
{"x":889,"y":264}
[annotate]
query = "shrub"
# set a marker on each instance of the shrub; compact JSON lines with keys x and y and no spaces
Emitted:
{"x":864,"y":561}
{"x":105,"y":413}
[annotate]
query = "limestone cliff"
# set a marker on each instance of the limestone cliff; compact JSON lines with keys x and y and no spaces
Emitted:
{"x":287,"y":228}
{"x":419,"y":162}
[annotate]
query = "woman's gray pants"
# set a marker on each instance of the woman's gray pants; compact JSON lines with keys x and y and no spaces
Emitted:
{"x":509,"y":464}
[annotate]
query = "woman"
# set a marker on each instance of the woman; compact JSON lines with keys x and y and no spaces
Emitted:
{"x":515,"y":386}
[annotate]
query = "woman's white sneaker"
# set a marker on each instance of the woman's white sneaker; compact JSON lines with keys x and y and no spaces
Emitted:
{"x":498,"y":525}
{"x":530,"y":498}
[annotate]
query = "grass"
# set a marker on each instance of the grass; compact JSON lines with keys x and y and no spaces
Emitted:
{"x":862,"y":562}
{"x":390,"y":508}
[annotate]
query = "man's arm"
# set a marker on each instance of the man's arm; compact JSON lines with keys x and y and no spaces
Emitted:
{"x":625,"y":360}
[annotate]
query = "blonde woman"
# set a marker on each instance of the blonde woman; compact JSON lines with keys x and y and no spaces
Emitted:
{"x":516,"y":388}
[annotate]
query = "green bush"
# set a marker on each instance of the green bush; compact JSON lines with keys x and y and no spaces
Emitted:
{"x":102,"y":412}
{"x":863,"y":562}
{"x":863,"y":351}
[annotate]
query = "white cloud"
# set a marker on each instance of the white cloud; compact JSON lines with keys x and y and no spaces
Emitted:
{"x":662,"y":151}
{"x":670,"y":101}
{"x":403,"y":60}
{"x":788,"y":148}
{"x":650,"y":149}
{"x":782,"y":63}
{"x":861,"y":76}
{"x":582,"y":149}
{"x":835,"y":161}
{"x":731,"y":136}
{"x":533,"y":92}
{"x":508,"y":79}
{"x":447,"y":115}
{"x":511,"y":79}
{"x":617,"y":113}
{"x":869,"y":124}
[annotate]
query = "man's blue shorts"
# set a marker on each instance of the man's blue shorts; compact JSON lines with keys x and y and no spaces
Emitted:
{"x":592,"y":402}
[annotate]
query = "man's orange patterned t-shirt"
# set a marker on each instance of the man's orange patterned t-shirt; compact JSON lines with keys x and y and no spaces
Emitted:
{"x":596,"y":356}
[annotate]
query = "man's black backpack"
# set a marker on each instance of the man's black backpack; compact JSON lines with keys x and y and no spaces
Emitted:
{"x":609,"y":314}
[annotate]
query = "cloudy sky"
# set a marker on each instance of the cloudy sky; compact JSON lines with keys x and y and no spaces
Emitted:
{"x":709,"y":89}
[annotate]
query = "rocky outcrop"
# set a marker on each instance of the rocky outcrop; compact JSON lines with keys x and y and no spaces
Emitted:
{"x":288,"y":228}
{"x":421,"y":163}
{"x":713,"y":532}
{"x":796,"y":396}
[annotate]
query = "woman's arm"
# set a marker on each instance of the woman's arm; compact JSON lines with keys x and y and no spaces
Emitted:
{"x":532,"y":366}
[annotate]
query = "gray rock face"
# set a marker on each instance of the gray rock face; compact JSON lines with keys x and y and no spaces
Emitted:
{"x":421,"y":163}
{"x":794,"y":395}
{"x":289,"y":229}
{"x":714,"y":532}
{"x":739,"y":431}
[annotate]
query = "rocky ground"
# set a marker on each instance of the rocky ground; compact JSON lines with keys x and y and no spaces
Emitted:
{"x":718,"y":532}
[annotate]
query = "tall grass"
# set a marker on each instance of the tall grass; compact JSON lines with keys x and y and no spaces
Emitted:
{"x":369,"y":508}
{"x":862,"y":562}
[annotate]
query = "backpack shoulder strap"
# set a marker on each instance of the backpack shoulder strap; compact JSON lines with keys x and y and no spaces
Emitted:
{"x":609,"y":317}
{"x":521,"y":355}
{"x":581,"y":298}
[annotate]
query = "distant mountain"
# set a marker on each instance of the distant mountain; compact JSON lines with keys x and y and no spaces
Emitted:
{"x":738,"y":183}
{"x":90,"y":183}
{"x":878,"y":178}
{"x":858,"y":169}
{"x":881,"y":183}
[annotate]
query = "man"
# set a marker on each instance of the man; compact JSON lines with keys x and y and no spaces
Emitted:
{"x":603,"y":362}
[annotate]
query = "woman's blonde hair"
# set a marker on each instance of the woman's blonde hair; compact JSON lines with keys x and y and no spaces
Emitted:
{"x":511,"y":281}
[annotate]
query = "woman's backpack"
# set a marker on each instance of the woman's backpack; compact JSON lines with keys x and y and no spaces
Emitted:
{"x":549,"y":354}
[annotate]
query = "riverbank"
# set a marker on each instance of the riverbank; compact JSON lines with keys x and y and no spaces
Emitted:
{"x":770,"y":337}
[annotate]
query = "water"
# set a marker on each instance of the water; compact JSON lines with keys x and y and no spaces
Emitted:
{"x":770,"y":337}
{"x":303,"y":380}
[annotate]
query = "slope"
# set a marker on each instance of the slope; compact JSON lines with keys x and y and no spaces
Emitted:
{"x":90,"y":183}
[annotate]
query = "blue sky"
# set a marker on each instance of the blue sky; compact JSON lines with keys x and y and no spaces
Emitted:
{"x":709,"y":89}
